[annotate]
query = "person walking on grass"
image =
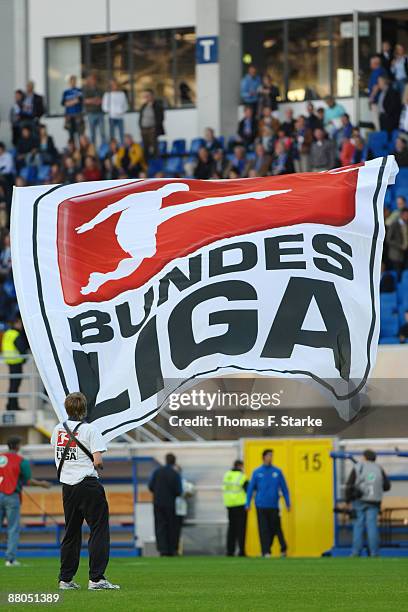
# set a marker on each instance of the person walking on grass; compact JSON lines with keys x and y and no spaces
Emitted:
{"x":78,"y":455}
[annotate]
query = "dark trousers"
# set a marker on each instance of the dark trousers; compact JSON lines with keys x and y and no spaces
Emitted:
{"x":150,"y":146}
{"x":14,"y":385}
{"x":85,"y":500}
{"x":269,"y":526}
{"x":236,"y":530}
{"x":166,"y":529}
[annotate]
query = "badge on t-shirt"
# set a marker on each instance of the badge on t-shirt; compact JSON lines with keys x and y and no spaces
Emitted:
{"x":64,"y":440}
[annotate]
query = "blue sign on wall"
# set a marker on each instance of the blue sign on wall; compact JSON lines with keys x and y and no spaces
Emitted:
{"x":207,"y":50}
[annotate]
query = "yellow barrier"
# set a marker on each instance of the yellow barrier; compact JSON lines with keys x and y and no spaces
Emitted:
{"x":307,"y":468}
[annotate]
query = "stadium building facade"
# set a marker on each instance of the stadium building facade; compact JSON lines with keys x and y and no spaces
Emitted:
{"x":193,"y":53}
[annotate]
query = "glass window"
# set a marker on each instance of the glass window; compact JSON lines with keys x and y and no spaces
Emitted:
{"x":263,"y":46}
{"x":184,"y":67}
{"x":120,"y":56}
{"x":64,"y":60}
{"x":367,"y":48}
{"x":308,"y":58}
{"x":152,"y":65}
{"x":342,"y":53}
{"x":99,"y":58}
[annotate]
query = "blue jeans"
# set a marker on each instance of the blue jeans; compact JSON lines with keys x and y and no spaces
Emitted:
{"x":116,"y":123}
{"x":96,"y":122}
{"x":10,"y":507}
{"x":366,"y":520}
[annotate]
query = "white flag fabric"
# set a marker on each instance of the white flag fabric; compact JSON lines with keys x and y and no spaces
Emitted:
{"x":130,"y":289}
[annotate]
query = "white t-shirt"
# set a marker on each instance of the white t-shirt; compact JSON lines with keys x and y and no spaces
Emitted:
{"x":77,"y":464}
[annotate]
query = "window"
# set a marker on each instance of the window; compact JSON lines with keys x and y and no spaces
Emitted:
{"x":263,"y":46}
{"x":342,"y":53}
{"x":162,"y":60}
{"x":64,"y":60}
{"x":308,"y":59}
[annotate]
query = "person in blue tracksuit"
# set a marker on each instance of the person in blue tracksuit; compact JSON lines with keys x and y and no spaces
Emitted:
{"x":269,"y":483}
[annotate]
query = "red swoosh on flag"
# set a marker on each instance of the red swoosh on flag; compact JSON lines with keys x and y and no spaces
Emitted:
{"x":327,"y":198}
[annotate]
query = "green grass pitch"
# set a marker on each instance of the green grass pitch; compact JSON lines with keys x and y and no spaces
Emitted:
{"x":218,"y":584}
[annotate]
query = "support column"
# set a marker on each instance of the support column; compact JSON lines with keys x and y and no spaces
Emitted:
{"x":218,"y":74}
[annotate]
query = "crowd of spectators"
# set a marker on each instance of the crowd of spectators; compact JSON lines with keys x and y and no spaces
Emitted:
{"x":269,"y":140}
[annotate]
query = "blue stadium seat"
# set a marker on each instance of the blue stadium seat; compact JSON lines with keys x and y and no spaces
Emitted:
{"x":43,"y":174}
{"x":221,"y":140}
{"x":389,"y":340}
{"x":196,"y":143}
{"x":154,"y":166}
{"x":394,"y":136}
{"x":173,"y":166}
{"x":29,"y":174}
{"x":162,"y":148}
{"x":402,"y":177}
{"x":178,"y":147}
{"x":388,"y":302}
{"x":402,"y":191}
{"x":378,"y":143}
{"x":103,"y":150}
{"x":389,"y":325}
{"x":404,"y":279}
{"x":402,"y":309}
{"x":231,"y":142}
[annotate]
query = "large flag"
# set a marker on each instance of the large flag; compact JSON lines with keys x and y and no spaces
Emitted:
{"x":130,"y":290}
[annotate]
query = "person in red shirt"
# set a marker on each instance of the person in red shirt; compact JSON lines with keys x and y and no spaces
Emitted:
{"x":15,"y":471}
{"x":91,"y":169}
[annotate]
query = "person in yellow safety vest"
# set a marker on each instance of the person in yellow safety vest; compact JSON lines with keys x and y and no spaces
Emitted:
{"x":234,"y":488}
{"x":14,"y":346}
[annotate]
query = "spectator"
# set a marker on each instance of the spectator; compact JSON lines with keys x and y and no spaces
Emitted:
{"x":377,"y":70}
{"x":33,"y":106}
{"x":395,"y":214}
{"x":130,"y":158}
{"x":386,"y":56}
{"x":282,"y":163}
{"x":401,"y":152}
{"x":91,"y":170}
{"x":109,"y":171}
{"x":403,"y":124}
{"x":92,"y":95}
{"x":267,"y":128}
{"x":403,"y":330}
{"x":250,"y":85}
{"x":151,"y":120}
{"x":115,"y":104}
{"x":389,"y":105}
{"x":345,"y":130}
{"x":17,"y":116}
{"x":165,"y":484}
{"x":112,"y":149}
{"x":238,"y":162}
{"x":365,"y":487}
{"x":72,"y":102}
{"x":303,"y":138}
{"x":268,"y":482}
{"x":220,"y":164}
{"x":262,"y":161}
{"x":321,"y":152}
{"x":26,"y":149}
{"x":6,"y":165}
{"x":320,"y":117}
{"x":268,"y":95}
{"x":312,"y":120}
{"x":186,"y":94}
{"x":14,"y":347}
{"x":397,"y":240}
{"x":69,"y":169}
{"x":247,"y":127}
{"x":353,"y":149}
{"x":47,"y":152}
{"x":210,"y":141}
{"x":5,"y":258}
{"x":204,"y":166}
{"x":85,"y":149}
{"x":399,"y":68}
{"x":15,"y":472}
{"x":288,"y":125}
{"x":56,"y":175}
{"x":332,"y":115}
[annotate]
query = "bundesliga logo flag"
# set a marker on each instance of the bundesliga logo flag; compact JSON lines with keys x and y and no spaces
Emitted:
{"x":131,"y":289}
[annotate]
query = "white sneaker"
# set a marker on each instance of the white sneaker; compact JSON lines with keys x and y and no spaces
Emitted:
{"x":102,"y":584}
{"x":68,"y":586}
{"x":14,"y":563}
{"x":267,"y":556}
